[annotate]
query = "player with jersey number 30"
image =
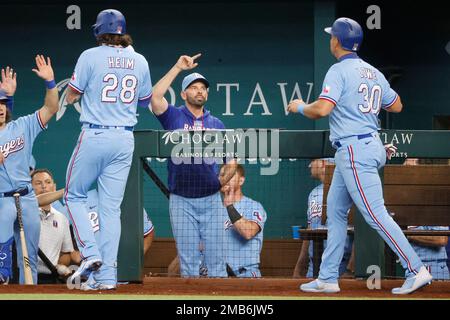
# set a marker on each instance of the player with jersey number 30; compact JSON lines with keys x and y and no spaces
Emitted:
{"x":353,"y":94}
{"x":112,"y":80}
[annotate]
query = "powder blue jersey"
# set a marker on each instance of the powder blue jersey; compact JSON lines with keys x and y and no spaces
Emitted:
{"x":112,"y":80}
{"x":16,"y":143}
{"x":241,"y":252}
{"x":191,"y":180}
{"x":358,"y":91}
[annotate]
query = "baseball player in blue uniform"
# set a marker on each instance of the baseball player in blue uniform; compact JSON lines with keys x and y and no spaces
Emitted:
{"x":112,"y":80}
{"x":243,"y":230}
{"x":315,"y":205}
{"x":16,"y":143}
{"x":431,"y":249}
{"x":314,"y":219}
{"x":353,"y":94}
{"x":195,"y":205}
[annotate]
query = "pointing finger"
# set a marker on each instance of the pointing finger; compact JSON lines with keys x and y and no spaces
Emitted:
{"x":196,"y":56}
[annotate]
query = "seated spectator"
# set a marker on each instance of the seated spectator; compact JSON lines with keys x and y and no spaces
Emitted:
{"x":244,"y":229}
{"x":304,"y":265}
{"x":55,"y":239}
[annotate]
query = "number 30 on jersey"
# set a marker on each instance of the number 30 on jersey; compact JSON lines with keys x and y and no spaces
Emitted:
{"x":372,"y":99}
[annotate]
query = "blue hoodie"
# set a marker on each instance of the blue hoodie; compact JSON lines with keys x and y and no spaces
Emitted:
{"x":191,"y":180}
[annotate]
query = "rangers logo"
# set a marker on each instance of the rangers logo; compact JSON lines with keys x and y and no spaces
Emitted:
{"x":119,"y":29}
{"x":315,"y":209}
{"x":326,"y":89}
{"x":227,"y":224}
{"x":12,"y":146}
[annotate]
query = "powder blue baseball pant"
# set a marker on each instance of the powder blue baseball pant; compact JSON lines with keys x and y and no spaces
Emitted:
{"x":193,"y":220}
{"x":356,"y":179}
{"x":9,"y":228}
{"x":103,"y":156}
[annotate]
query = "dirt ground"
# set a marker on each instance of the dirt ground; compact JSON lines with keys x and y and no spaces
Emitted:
{"x":242,"y":287}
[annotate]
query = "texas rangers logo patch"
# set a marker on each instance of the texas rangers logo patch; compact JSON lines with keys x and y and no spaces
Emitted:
{"x":257,"y":215}
{"x":227,"y":224}
{"x":326,"y":89}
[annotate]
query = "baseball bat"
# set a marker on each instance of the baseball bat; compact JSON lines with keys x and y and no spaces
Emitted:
{"x":156,"y":179}
{"x":26,"y":260}
{"x":49,"y":265}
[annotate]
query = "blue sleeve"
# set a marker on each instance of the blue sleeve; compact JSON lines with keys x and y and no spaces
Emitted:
{"x":145,"y":89}
{"x":32,"y":125}
{"x":389,"y":95}
{"x":168,"y":117}
{"x":81,"y":75}
{"x":332,"y":85}
{"x":219,"y":124}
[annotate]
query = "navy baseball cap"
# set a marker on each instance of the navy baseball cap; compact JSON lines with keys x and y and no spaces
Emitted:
{"x":189,"y":79}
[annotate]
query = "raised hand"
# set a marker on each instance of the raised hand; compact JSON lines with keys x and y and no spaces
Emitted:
{"x":9,"y":81}
{"x":44,"y":68}
{"x":292,"y":106}
{"x":187,"y":62}
{"x":229,"y":196}
{"x":390,"y":150}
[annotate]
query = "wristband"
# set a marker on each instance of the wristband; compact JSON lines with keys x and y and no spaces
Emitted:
{"x":50,"y":84}
{"x":301,"y":108}
{"x":233,"y":214}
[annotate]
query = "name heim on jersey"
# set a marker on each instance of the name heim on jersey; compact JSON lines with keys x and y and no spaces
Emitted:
{"x":120,"y":63}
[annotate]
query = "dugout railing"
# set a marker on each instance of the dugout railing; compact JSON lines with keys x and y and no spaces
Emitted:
{"x":270,"y":143}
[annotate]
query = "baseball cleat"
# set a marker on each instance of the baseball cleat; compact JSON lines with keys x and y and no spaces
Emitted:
{"x":86,"y":267}
{"x":422,"y":278}
{"x":319,"y":286}
{"x":96,"y":286}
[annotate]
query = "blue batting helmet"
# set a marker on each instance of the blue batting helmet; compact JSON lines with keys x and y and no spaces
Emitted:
{"x":348,"y":32}
{"x":109,"y":21}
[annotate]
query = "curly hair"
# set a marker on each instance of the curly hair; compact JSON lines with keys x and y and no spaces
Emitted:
{"x":123,"y":40}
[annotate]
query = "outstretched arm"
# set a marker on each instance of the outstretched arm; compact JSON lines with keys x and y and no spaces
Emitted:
{"x":316,"y":110}
{"x":159,"y":104}
{"x":44,"y":71}
{"x":49,"y":197}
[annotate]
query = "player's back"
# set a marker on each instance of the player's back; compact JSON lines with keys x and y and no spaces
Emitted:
{"x":112,"y":80}
{"x":359,"y":91}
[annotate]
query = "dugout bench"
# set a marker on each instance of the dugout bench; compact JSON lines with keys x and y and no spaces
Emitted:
{"x":414,"y":196}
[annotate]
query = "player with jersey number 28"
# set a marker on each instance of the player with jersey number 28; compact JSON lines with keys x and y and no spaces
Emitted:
{"x":111,"y":80}
{"x":353,"y":94}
